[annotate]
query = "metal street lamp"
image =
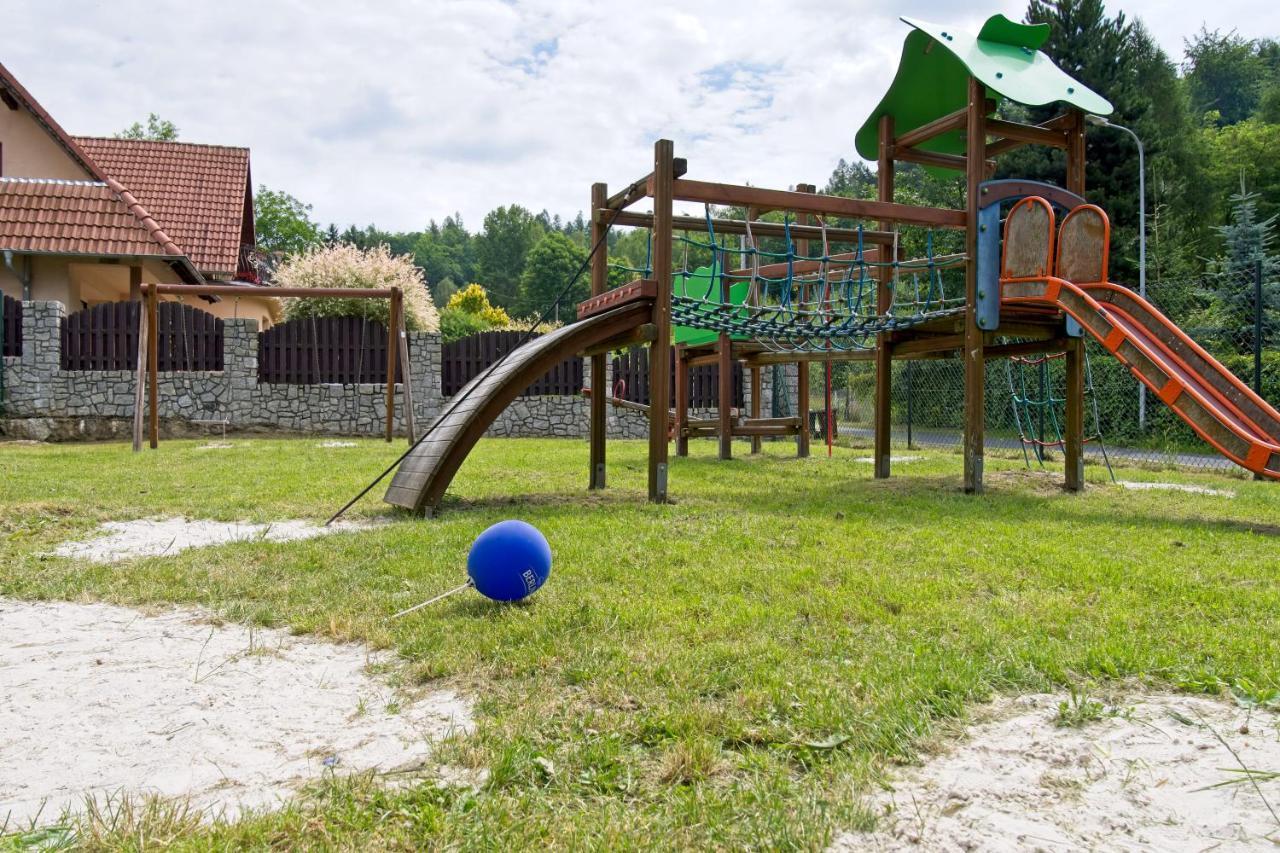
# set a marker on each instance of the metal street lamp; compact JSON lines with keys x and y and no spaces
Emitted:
{"x":1101,"y":121}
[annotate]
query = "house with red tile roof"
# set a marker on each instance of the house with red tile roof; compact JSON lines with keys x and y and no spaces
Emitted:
{"x":85,"y":220}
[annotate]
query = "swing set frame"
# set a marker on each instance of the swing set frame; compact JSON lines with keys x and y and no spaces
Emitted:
{"x":148,"y":382}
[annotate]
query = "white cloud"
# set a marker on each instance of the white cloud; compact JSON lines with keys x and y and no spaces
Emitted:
{"x":403,"y":111}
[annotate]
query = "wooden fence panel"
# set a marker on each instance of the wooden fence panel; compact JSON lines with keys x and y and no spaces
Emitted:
{"x":11,"y":326}
{"x":316,"y":350}
{"x":105,"y":337}
{"x":632,"y":368}
{"x":464,"y":359}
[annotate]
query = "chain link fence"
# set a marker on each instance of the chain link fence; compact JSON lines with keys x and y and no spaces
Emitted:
{"x":1235,"y":316}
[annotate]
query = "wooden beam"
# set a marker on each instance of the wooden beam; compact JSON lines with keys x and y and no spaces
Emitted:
{"x":930,"y":158}
{"x":1025,"y":348}
{"x":1031,"y":134}
{"x":704,"y":359}
{"x":682,"y":399}
{"x":757,"y":431}
{"x":402,"y":338}
{"x":1073,"y":436}
{"x":253,"y":290}
{"x":392,"y":350}
{"x":641,"y":188}
{"x":882,"y":416}
{"x":932,"y":343}
{"x":827,"y":205}
{"x":1076,"y":153}
{"x":925,"y":132}
{"x":974,"y":364}
{"x":936,"y":159}
{"x":139,"y":388}
{"x":660,"y":349}
{"x":597,"y":428}
{"x":757,"y":359}
{"x":724,"y":409}
{"x":642,"y":334}
{"x":759,"y":228}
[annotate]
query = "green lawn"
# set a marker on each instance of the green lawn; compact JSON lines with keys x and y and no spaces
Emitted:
{"x":731,"y":670}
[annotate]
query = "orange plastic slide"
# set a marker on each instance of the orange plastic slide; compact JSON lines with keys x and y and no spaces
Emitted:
{"x":1221,"y":409}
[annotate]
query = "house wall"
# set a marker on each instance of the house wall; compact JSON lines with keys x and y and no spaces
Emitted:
{"x":76,"y":282}
{"x":42,"y":398}
{"x":259,"y":309}
{"x":31,"y":152}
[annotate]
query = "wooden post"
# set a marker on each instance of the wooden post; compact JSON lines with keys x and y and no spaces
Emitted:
{"x":1075,"y":153}
{"x":725,"y":393}
{"x":135,"y":284}
{"x":757,"y":389}
{"x":153,"y":364}
{"x":883,"y":417}
{"x":802,"y":367}
{"x":1073,"y":438}
{"x":660,"y":350}
{"x":402,"y":335}
{"x":974,"y":362}
{"x":600,"y":390}
{"x":396,"y":296}
{"x":139,"y":392}
{"x":682,"y":400}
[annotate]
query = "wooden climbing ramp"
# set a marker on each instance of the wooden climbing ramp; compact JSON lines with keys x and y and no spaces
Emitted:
{"x":420,"y":481}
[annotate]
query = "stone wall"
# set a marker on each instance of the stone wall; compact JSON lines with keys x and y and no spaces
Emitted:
{"x":43,"y":401}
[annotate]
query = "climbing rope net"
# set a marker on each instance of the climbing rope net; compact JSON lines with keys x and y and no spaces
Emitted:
{"x":793,"y":300}
{"x":1036,"y":408}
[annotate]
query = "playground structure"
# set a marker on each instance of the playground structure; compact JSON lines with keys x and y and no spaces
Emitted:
{"x":1035,"y":293}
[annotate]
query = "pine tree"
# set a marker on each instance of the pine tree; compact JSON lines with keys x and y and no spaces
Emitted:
{"x":1232,"y":289}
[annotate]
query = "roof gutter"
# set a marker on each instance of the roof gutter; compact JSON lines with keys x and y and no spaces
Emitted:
{"x":25,"y":279}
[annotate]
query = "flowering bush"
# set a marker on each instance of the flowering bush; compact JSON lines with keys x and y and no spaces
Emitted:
{"x":344,"y":265}
{"x":474,"y":300}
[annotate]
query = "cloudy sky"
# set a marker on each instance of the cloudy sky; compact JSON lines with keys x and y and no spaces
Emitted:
{"x":404,"y":111}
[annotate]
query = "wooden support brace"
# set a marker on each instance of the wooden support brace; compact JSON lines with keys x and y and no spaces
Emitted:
{"x":392,"y":349}
{"x":974,"y":362}
{"x":660,"y":350}
{"x":682,"y":400}
{"x":725,"y":394}
{"x":153,"y":364}
{"x":757,"y":390}
{"x":598,"y":424}
{"x":1073,"y":438}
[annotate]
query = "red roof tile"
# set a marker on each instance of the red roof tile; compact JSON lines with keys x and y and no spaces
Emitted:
{"x":198,"y":193}
{"x":79,"y":218}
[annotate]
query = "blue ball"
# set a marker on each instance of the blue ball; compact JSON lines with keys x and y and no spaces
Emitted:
{"x":509,"y":561}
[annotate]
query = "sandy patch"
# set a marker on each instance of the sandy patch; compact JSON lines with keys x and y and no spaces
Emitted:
{"x":1136,"y":485}
{"x":154,"y":537}
{"x":337,"y":444}
{"x":870,"y":460}
{"x":101,"y":700}
{"x":1135,"y":780}
{"x":215,"y":445}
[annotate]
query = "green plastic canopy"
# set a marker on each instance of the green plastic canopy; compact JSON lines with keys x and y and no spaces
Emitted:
{"x":933,"y":79}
